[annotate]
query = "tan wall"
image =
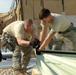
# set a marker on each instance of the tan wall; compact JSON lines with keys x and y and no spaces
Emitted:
{"x":31,"y":9}
{"x":18,"y":11}
{"x":70,"y":7}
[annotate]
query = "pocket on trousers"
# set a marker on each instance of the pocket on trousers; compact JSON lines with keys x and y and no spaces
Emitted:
{"x":10,"y":46}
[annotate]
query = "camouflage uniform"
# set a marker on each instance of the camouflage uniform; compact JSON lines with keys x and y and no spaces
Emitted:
{"x":21,"y":54}
{"x":69,"y":38}
{"x":68,"y":32}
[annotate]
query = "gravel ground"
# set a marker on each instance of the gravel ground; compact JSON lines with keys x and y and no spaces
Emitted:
{"x":8,"y":71}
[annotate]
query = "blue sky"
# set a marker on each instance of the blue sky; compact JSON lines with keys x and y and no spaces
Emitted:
{"x":5,"y":5}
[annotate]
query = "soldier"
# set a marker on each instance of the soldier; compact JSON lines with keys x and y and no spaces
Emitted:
{"x":16,"y":37}
{"x":64,"y":31}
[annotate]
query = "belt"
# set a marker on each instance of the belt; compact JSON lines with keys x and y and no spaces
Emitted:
{"x":72,"y":26}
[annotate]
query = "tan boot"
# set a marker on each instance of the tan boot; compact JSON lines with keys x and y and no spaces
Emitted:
{"x":24,"y":71}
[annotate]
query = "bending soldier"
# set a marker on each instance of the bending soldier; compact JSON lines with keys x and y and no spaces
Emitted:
{"x":16,"y":37}
{"x":64,"y":31}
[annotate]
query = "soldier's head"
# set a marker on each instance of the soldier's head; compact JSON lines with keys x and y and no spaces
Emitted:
{"x":45,"y":15}
{"x":28,"y":24}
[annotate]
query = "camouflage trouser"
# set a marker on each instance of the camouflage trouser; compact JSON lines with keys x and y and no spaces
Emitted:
{"x":8,"y":41}
{"x":51,"y":43}
{"x":21,"y":54}
{"x":69,"y":39}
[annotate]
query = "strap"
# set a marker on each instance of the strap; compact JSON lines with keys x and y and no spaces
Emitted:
{"x":72,"y":26}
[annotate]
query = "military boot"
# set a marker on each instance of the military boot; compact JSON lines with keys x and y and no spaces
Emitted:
{"x":18,"y":73}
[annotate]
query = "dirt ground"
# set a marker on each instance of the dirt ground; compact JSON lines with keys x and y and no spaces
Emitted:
{"x":8,"y":71}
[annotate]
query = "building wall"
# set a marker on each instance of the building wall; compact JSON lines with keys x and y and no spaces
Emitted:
{"x":31,"y":9}
{"x":70,"y":6}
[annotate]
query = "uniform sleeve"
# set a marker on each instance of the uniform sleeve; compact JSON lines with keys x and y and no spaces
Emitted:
{"x":53,"y":31}
{"x":35,"y":30}
{"x":18,"y":32}
{"x":43,"y":24}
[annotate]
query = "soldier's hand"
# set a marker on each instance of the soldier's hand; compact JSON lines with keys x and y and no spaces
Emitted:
{"x":34,"y":43}
{"x":38,"y":52}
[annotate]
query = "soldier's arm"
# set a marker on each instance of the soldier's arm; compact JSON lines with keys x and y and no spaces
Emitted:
{"x":43,"y":34}
{"x":21,"y":41}
{"x":35,"y":32}
{"x":46,"y":41}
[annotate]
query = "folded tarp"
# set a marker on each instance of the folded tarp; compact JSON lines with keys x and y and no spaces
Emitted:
{"x":56,"y":63}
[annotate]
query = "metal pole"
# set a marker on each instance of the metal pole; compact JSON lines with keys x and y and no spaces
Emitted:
{"x":60,"y":52}
{"x":21,"y":10}
{"x":63,"y":5}
{"x":26,"y":2}
{"x":42,"y":3}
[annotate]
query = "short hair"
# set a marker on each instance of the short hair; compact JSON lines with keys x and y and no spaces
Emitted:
{"x":44,"y":13}
{"x":28,"y":22}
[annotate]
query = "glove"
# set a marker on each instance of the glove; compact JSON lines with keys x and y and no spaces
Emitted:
{"x":34,"y":43}
{"x":37,"y":49}
{"x":38,"y":52}
{"x":0,"y":56}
